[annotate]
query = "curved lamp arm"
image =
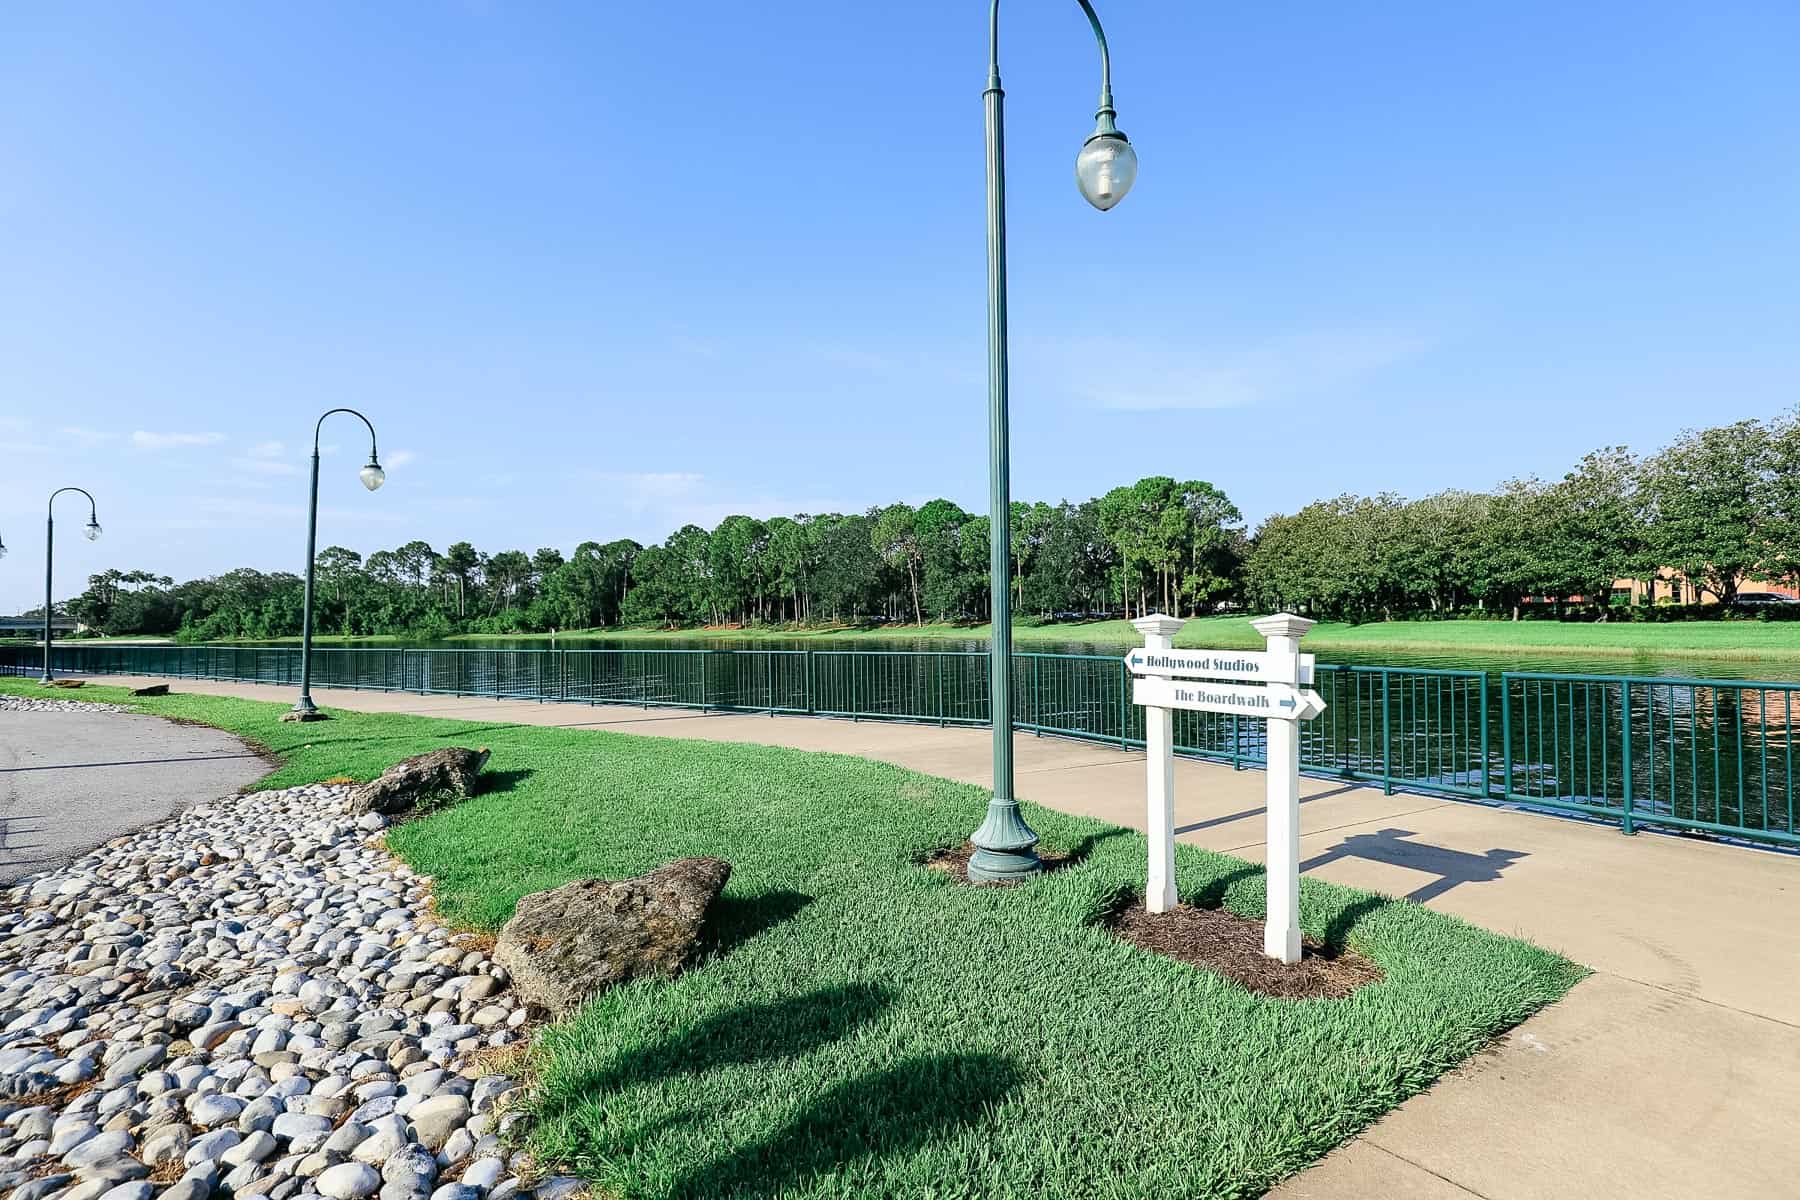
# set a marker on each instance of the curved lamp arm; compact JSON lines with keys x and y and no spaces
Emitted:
{"x":352,"y":412}
{"x":93,"y":510}
{"x":1106,"y":116}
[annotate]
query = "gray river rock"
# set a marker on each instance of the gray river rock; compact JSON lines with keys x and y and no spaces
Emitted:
{"x":251,"y":992}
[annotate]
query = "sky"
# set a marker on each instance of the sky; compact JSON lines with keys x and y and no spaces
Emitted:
{"x":597,"y":270}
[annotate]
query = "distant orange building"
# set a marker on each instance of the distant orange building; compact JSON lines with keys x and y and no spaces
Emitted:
{"x":1672,"y":588}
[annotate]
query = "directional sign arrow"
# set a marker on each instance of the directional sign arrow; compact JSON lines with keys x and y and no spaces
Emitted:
{"x":1303,"y":704}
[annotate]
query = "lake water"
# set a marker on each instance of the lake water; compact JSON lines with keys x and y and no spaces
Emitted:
{"x":1664,"y":665}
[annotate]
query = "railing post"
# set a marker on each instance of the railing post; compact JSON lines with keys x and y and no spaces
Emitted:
{"x":1487,"y":774}
{"x":1124,"y":705}
{"x":812,"y":703}
{"x":1625,"y":749}
{"x":1506,"y":741}
{"x":1037,"y":721}
{"x":1387,"y":778}
{"x":943,"y":704}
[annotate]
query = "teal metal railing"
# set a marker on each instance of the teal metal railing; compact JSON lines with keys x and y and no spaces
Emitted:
{"x":1714,"y":755}
{"x":1709,"y":755}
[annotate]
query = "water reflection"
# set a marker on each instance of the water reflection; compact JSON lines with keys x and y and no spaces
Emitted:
{"x":1679,"y":666}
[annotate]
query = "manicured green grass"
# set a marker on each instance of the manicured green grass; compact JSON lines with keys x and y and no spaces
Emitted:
{"x":864,"y":1027}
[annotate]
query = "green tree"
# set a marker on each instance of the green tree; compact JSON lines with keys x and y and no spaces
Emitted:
{"x":1710,"y":504}
{"x":894,"y":534}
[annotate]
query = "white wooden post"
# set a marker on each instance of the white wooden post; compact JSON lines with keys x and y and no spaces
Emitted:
{"x":1159,"y":764}
{"x":1281,"y":928}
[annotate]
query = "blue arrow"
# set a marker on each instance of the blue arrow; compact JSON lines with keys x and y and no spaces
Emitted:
{"x":1135,"y":660}
{"x":1288,"y":703}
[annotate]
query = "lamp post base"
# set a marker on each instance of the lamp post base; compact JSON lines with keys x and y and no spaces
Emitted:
{"x":47,"y":679}
{"x":304,"y":710}
{"x":1004,"y":846}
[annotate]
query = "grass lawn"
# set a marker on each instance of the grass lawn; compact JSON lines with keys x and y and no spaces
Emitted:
{"x":864,"y":1027}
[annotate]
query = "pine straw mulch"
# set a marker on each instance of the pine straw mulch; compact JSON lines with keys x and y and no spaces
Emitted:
{"x":1232,"y":946}
{"x":1210,"y":938}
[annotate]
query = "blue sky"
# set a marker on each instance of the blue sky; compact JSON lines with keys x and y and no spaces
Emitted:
{"x":598,"y":270}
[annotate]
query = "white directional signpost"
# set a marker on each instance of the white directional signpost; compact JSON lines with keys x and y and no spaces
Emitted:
{"x":1268,"y":683}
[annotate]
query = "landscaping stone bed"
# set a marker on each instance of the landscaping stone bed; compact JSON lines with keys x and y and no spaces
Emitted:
{"x":27,"y":704}
{"x":251,"y":1000}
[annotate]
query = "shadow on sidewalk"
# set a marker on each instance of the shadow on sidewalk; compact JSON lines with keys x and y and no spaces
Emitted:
{"x":1228,"y":818}
{"x":1391,"y":847}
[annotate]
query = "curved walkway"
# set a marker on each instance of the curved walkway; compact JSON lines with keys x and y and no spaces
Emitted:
{"x":1673,"y":1072}
{"x":72,"y":780}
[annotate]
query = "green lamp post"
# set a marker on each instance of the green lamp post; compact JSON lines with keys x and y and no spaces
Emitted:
{"x":1104,"y":170}
{"x":372,"y":477}
{"x":92,"y":531}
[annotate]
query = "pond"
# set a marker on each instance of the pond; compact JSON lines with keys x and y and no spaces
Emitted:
{"x":1784,"y":670}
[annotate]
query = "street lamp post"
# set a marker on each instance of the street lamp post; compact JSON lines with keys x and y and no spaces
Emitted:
{"x":92,"y":531}
{"x":1104,"y":171}
{"x":372,"y":477}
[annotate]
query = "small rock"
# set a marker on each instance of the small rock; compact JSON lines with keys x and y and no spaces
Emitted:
{"x":349,"y":1181}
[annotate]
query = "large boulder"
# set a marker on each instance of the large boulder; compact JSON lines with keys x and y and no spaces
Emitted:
{"x":440,"y":775}
{"x":155,"y":689}
{"x":564,"y":945}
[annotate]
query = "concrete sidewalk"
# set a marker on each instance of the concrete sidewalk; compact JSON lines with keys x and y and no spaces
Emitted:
{"x":71,"y":781}
{"x":1673,"y":1072}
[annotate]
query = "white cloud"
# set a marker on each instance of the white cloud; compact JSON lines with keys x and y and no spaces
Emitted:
{"x":854,"y":358}
{"x":265,"y":466}
{"x":694,"y":347}
{"x":637,"y":491}
{"x":266,"y":450}
{"x":1145,"y":378}
{"x":87,"y":437}
{"x":169,"y":441}
{"x":400,"y":458}
{"x":663,"y":501}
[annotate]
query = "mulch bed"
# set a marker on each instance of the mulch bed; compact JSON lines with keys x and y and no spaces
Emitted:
{"x":955,"y":863}
{"x":1232,"y":946}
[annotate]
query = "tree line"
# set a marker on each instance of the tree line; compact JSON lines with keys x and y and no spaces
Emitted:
{"x":1715,"y":507}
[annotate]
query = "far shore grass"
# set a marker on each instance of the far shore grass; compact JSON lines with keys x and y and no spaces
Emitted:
{"x":1726,"y":639}
{"x":862,"y":1027}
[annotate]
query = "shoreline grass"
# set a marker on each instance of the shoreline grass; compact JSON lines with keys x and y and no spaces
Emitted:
{"x":864,"y":1027}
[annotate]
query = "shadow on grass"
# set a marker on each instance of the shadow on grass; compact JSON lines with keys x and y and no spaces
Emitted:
{"x":734,"y":920}
{"x":1080,"y":851}
{"x":749,"y":1033}
{"x":885,"y":1113}
{"x":1337,"y":934}
{"x":503,"y":781}
{"x":1213,"y":894}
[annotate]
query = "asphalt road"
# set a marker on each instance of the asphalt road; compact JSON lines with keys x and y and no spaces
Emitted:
{"x":71,"y":781}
